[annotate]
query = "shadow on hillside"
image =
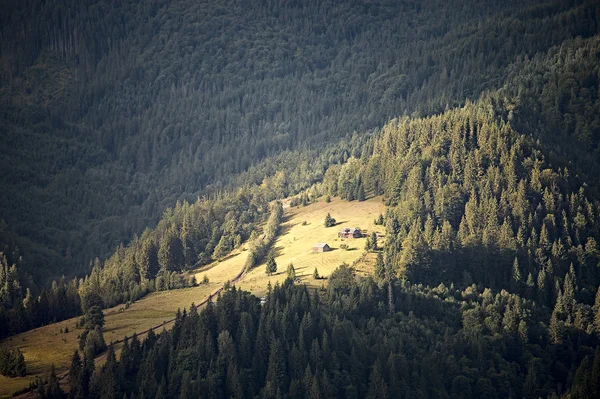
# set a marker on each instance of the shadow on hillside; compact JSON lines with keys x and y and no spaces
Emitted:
{"x":283,"y":230}
{"x":277,"y":251}
{"x":227,"y":257}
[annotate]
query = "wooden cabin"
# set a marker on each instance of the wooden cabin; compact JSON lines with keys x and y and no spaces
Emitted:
{"x":321,"y":247}
{"x":350,"y":232}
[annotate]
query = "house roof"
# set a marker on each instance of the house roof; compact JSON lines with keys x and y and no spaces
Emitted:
{"x":320,"y":245}
{"x":349,"y":229}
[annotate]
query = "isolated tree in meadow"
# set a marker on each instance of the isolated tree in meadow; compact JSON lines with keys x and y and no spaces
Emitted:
{"x":291,"y":272}
{"x":271,"y":264}
{"x":316,"y":274}
{"x":329,"y":221}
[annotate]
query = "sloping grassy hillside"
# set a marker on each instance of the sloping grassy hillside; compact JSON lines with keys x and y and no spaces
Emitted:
{"x":301,"y":229}
{"x":45,"y":346}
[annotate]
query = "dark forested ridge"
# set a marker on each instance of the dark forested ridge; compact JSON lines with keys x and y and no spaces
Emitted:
{"x":478,"y":123}
{"x":113,"y":111}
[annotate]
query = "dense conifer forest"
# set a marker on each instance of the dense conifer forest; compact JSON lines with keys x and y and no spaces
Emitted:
{"x":107,"y":110}
{"x":144,"y":139}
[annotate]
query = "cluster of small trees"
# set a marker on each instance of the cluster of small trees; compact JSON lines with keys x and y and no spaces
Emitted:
{"x":20,"y":310}
{"x":259,"y":246}
{"x":12,"y":362}
{"x":91,"y":340}
{"x":371,"y":242}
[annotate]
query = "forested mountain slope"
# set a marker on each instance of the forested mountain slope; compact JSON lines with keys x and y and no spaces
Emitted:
{"x":488,"y":286}
{"x":112,"y":111}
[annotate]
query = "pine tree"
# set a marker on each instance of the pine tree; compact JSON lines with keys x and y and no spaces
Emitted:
{"x":360,"y":190}
{"x":596,"y":371}
{"x":53,"y":389}
{"x":316,"y":274}
{"x":94,"y":317}
{"x":223,"y":247}
{"x":516,"y":276}
{"x":374,"y":245}
{"x":556,"y":328}
{"x":582,"y":383}
{"x":276,"y":371}
{"x":75,"y":376}
{"x":542,"y":286}
{"x":329,"y":221}
{"x":187,"y":241}
{"x":170,"y":253}
{"x":569,"y":289}
{"x":377,"y":387}
{"x":271,"y":265}
{"x":530,"y":286}
{"x":597,"y":312}
{"x":291,"y":272}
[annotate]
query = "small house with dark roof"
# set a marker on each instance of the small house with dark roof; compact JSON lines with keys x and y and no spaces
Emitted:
{"x":350,"y":232}
{"x":321,"y":247}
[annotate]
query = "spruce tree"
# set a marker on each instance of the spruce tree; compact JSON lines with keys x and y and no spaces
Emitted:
{"x":516,"y":276}
{"x":597,"y":312}
{"x":170,"y":253}
{"x":76,"y":376}
{"x":329,"y":221}
{"x":271,"y":265}
{"x":316,"y":274}
{"x":53,"y":389}
{"x":291,"y":272}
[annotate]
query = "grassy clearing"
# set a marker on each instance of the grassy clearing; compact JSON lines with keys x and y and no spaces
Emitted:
{"x":219,"y":272}
{"x":45,"y":346}
{"x":301,"y":229}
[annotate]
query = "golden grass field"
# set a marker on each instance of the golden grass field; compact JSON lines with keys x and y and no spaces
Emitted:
{"x":295,"y":242}
{"x":45,"y":346}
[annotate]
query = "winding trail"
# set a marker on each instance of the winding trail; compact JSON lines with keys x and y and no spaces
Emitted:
{"x":63,"y":377}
